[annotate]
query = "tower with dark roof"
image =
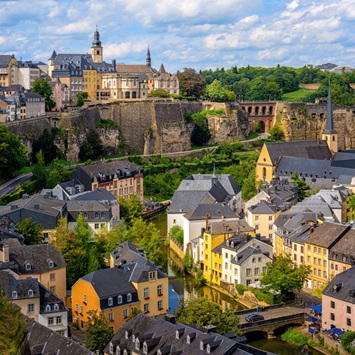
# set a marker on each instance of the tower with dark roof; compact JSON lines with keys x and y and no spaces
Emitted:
{"x":96,"y":48}
{"x":329,"y":134}
{"x":148,"y":59}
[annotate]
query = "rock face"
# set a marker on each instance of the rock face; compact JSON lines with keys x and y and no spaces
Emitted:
{"x":229,"y":128}
{"x":307,"y":122}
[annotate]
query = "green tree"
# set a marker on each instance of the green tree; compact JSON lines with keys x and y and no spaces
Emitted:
{"x":191,"y":83}
{"x":351,"y":206}
{"x":302,"y":186}
{"x":216,"y":92}
{"x":284,"y":275}
{"x":32,"y":231}
{"x":178,"y":234}
{"x":12,"y":153}
{"x":80,"y":98}
{"x":92,"y":147}
{"x":130,"y":209}
{"x":42,"y":87}
{"x":159,"y":93}
{"x":203,"y":312}
{"x":276,"y":133}
{"x":346,"y":339}
{"x":12,"y":327}
{"x":98,"y":332}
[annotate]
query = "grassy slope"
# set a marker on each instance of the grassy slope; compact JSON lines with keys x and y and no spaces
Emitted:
{"x":295,"y":96}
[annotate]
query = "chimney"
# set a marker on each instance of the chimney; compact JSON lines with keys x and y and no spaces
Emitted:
{"x":206,"y":220}
{"x":5,"y":255}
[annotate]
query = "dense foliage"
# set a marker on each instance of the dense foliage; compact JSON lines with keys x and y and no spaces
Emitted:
{"x":177,"y":234}
{"x":294,"y":337}
{"x":346,"y":341}
{"x":217,"y":93}
{"x":259,"y":83}
{"x":12,"y":153}
{"x":203,"y":312}
{"x":191,"y":83}
{"x":284,"y":275}
{"x":109,"y":124}
{"x":92,"y":147}
{"x":31,"y":231}
{"x":98,"y":332}
{"x":159,"y":93}
{"x":12,"y":327}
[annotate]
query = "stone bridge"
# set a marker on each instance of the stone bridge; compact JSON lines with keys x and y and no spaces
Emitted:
{"x":275,"y":318}
{"x":260,"y":111}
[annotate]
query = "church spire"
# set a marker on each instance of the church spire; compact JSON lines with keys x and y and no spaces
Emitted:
{"x":148,"y":59}
{"x":329,"y":134}
{"x":96,"y":42}
{"x":330,"y":126}
{"x":214,"y":176}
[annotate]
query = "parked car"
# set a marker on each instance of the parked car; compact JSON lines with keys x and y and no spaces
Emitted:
{"x":254,"y":317}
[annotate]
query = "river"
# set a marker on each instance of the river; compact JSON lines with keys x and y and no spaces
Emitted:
{"x":184,"y":287}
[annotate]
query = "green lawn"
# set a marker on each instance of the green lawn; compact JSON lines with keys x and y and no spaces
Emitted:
{"x":252,"y":135}
{"x":295,"y":96}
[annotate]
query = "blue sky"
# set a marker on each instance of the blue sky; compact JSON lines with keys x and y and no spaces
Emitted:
{"x":199,"y":34}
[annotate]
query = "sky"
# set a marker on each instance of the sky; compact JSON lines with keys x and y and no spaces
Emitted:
{"x":199,"y":34}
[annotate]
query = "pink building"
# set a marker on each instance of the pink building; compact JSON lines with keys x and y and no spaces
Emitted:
{"x":338,"y":302}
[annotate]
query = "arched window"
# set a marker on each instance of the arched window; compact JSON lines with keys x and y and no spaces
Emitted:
{"x":30,"y":293}
{"x":14,"y":295}
{"x":264,"y":172}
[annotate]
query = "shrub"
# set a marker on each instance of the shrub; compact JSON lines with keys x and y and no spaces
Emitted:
{"x":294,"y":337}
{"x":178,"y":234}
{"x":240,"y":289}
{"x":109,"y":124}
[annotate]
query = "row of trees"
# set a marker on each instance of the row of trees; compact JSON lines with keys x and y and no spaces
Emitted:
{"x":258,"y":83}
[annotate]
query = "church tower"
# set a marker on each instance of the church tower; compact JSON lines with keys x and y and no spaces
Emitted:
{"x":329,"y":134}
{"x":96,"y":48}
{"x":148,"y":59}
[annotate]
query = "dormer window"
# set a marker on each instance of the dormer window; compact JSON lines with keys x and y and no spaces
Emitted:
{"x":129,"y":297}
{"x":48,"y":308}
{"x":110,"y":302}
{"x":56,"y":307}
{"x":28,"y":266}
{"x":96,"y":215}
{"x":152,"y":275}
{"x":30,"y":293}
{"x":85,"y":215}
{"x":50,"y":264}
{"x":119,"y":299}
{"x":14,"y":295}
{"x":137,"y":344}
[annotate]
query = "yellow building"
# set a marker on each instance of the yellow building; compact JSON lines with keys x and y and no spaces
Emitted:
{"x":8,"y":70}
{"x":272,"y":152}
{"x":214,"y":235}
{"x":116,"y":291}
{"x":262,"y":217}
{"x":89,"y":83}
{"x":317,"y":249}
{"x":42,"y":261}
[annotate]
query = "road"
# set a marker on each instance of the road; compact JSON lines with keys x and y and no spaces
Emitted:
{"x":14,"y":183}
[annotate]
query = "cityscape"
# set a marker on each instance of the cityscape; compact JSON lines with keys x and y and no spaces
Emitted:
{"x":157,"y":200}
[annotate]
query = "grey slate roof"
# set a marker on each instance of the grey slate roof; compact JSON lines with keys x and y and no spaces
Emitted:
{"x":42,"y":340}
{"x":299,"y":149}
{"x":111,"y":282}
{"x":170,"y":338}
{"x":38,"y":256}
{"x":238,"y":226}
{"x":95,"y":210}
{"x":39,"y":208}
{"x":244,"y":255}
{"x":341,"y":286}
{"x":49,"y":301}
{"x":344,"y":248}
{"x":184,"y":201}
{"x":141,"y":270}
{"x":263,"y":207}
{"x":125,"y":252}
{"x":9,"y":284}
{"x":4,"y":60}
{"x":213,"y":210}
{"x":313,"y":168}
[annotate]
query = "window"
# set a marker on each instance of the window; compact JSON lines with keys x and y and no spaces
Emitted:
{"x":314,"y":249}
{"x":58,"y":320}
{"x":160,"y":290}
{"x":256,"y":227}
{"x":348,"y":309}
{"x":110,"y":316}
{"x":270,"y":227}
{"x":336,"y":267}
{"x":56,"y":307}
{"x":295,"y":247}
{"x":309,"y":248}
{"x":152,"y":275}
{"x":348,"y":322}
{"x":81,"y":310}
{"x":125,"y":313}
{"x":85,"y":298}
{"x":302,"y":249}
{"x":160,"y":305}
{"x":28,"y":266}
{"x":119,"y":299}
{"x":50,"y":264}
{"x":332,"y":304}
{"x":270,"y":218}
{"x":332,"y":316}
{"x":14,"y":294}
{"x":256,"y":218}
{"x":253,"y":260}
{"x":236,"y":272}
{"x":129,"y":297}
{"x":256,"y":271}
{"x":110,"y":301}
{"x":248,"y":272}
{"x":146,"y":293}
{"x":50,"y":321}
{"x":30,"y":293}
{"x":52,"y":289}
{"x":146,"y":307}
{"x":30,"y":308}
{"x":76,"y":307}
{"x":52,"y":277}
{"x":226,"y":266}
{"x":96,"y":226}
{"x":264,"y":269}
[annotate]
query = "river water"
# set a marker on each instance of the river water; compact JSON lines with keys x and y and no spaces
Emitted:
{"x":184,"y":287}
